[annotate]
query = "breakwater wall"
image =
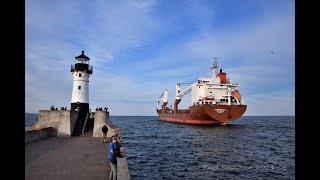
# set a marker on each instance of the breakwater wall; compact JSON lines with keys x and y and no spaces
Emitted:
{"x":122,"y":166}
{"x":101,"y":118}
{"x":58,"y":120}
{"x":38,"y":134}
{"x":63,"y":125}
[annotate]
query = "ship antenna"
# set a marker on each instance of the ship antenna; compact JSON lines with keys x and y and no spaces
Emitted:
{"x":215,"y":63}
{"x":214,"y":67}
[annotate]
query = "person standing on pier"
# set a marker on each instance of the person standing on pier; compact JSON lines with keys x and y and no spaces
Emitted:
{"x":113,"y":154}
{"x":105,"y":131}
{"x":118,"y":145}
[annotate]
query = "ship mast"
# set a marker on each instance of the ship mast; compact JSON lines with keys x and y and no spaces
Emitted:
{"x":214,"y":67}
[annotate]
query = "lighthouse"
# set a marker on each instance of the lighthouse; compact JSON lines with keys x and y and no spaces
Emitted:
{"x":81,"y":72}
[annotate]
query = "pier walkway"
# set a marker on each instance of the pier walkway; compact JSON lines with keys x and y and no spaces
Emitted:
{"x":69,"y":158}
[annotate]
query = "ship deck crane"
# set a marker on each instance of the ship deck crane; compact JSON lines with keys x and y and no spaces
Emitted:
{"x":185,"y":91}
{"x":163,"y":97}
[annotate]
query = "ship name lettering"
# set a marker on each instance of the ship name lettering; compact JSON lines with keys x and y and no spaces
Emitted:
{"x":220,"y":110}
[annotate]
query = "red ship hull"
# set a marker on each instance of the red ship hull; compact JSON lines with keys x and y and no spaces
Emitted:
{"x":208,"y":114}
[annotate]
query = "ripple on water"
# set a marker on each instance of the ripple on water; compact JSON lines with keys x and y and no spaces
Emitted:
{"x":160,"y":150}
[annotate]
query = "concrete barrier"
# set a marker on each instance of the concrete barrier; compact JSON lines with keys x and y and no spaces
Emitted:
{"x":59,"y":120}
{"x":122,"y":163}
{"x":100,"y":119}
{"x":122,"y":169}
{"x":64,"y":125}
{"x":37,"y":134}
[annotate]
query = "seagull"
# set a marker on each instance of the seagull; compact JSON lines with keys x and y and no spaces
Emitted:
{"x":272,"y":52}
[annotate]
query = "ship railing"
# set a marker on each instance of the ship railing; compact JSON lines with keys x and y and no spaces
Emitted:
{"x":169,"y":111}
{"x":184,"y":111}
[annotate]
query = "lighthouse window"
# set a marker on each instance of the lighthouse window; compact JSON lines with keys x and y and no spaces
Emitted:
{"x":79,"y":87}
{"x":80,"y":74}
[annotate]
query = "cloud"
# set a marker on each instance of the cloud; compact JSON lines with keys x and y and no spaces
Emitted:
{"x":138,"y":48}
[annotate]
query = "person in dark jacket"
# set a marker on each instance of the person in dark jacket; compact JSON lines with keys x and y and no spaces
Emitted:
{"x":105,"y":131}
{"x":115,"y":154}
{"x":118,"y":145}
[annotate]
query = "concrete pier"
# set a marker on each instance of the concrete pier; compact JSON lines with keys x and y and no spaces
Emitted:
{"x":51,"y":152}
{"x":67,"y":158}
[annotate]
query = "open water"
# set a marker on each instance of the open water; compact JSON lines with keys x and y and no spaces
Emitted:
{"x":252,"y":147}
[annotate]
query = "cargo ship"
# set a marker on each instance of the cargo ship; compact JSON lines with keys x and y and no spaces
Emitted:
{"x":215,"y":100}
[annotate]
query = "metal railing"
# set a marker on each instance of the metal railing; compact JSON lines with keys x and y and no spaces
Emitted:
{"x":73,"y":67}
{"x":85,"y":122}
{"x":74,"y":122}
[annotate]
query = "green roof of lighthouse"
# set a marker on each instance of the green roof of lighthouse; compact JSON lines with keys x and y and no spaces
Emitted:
{"x":82,"y":57}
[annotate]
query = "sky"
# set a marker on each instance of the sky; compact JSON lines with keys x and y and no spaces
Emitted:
{"x":138,"y":48}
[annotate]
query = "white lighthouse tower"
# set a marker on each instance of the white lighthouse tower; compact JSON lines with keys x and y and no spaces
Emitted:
{"x":81,"y":72}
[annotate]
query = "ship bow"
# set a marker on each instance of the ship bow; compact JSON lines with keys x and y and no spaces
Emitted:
{"x":225,"y":113}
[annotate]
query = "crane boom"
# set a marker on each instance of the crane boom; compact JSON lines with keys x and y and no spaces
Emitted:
{"x":161,"y":95}
{"x":184,"y":91}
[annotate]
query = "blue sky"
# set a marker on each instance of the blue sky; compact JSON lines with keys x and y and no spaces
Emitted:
{"x":139,"y":47}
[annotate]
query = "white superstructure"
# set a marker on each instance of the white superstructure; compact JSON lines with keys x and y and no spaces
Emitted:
{"x":216,"y":89}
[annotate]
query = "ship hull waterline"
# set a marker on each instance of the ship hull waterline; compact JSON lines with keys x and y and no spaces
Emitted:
{"x":205,"y":114}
